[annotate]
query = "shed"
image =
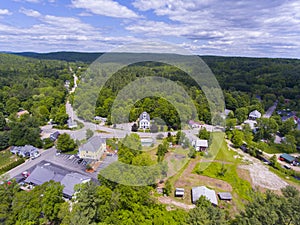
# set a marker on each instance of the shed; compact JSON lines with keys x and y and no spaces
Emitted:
{"x":179,"y":192}
{"x":200,"y":144}
{"x":225,"y":196}
{"x":288,"y":158}
{"x":197,"y":192}
{"x":254,"y":115}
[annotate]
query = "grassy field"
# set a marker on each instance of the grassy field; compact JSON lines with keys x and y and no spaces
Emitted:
{"x":6,"y":157}
{"x":228,"y":173}
{"x":206,"y":170}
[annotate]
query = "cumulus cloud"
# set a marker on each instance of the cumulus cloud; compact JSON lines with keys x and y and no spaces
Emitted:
{"x":30,"y":12}
{"x":105,"y":7}
{"x":5,"y":12}
{"x":237,"y":26}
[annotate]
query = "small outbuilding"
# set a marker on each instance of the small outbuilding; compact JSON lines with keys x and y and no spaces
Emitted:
{"x":210,"y":195}
{"x":254,"y":115}
{"x":200,"y":144}
{"x":179,"y":192}
{"x":288,"y":158}
{"x":226,"y":196}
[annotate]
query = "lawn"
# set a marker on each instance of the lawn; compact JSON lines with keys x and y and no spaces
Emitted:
{"x":6,"y":157}
{"x":228,"y":173}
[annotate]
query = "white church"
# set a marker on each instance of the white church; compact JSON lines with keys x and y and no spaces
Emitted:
{"x":144,"y":121}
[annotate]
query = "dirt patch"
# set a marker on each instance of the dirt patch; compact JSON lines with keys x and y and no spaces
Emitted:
{"x":169,"y":201}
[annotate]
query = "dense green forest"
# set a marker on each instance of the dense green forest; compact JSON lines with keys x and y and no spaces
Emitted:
{"x":117,"y":204}
{"x":36,"y":86}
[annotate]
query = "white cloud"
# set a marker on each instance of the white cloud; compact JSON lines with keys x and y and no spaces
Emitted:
{"x":30,"y":12}
{"x":105,"y":7}
{"x":5,"y":12}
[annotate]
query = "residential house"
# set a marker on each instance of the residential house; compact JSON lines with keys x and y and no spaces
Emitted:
{"x":200,"y":144}
{"x":93,"y":149}
{"x":101,"y":119}
{"x":25,"y":151}
{"x":194,"y":124}
{"x":210,"y":195}
{"x":144,"y":121}
{"x":22,"y":112}
{"x":254,"y":115}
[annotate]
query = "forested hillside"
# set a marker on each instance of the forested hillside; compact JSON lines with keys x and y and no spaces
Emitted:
{"x":32,"y":85}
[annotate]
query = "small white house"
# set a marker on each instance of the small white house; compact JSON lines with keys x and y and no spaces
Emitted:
{"x":254,"y":115}
{"x":200,"y":144}
{"x":144,"y":121}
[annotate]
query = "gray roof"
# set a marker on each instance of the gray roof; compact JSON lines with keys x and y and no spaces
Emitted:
{"x":41,"y":175}
{"x":225,"y":195}
{"x":144,"y":115}
{"x":23,"y":149}
{"x":197,"y":192}
{"x":179,"y":191}
{"x":93,"y":144}
{"x":70,"y":180}
{"x":255,"y":113}
{"x":200,"y":143}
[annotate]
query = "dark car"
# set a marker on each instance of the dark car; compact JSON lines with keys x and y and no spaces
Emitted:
{"x":79,"y":161}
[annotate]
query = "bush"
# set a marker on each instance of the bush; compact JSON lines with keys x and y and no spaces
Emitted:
{"x":47,"y":143}
{"x":12,"y":165}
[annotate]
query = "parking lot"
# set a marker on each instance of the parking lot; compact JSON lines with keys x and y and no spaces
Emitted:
{"x":72,"y":161}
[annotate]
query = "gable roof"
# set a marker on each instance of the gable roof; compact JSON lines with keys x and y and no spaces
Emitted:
{"x":70,"y":180}
{"x":201,"y":143}
{"x":255,"y":113}
{"x":41,"y":175}
{"x":225,"y":195}
{"x":144,"y":115}
{"x":93,"y":144}
{"x":197,"y":192}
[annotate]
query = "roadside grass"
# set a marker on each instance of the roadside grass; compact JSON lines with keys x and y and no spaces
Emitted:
{"x":219,"y":149}
{"x":74,"y":152}
{"x":228,"y":173}
{"x":6,"y":157}
{"x":102,"y":131}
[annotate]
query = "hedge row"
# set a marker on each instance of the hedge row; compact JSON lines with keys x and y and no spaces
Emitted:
{"x":11,"y":165}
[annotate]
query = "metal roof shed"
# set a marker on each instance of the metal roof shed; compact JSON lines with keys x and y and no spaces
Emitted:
{"x":225,"y":196}
{"x":197,"y":192}
{"x":288,"y":158}
{"x":179,"y":192}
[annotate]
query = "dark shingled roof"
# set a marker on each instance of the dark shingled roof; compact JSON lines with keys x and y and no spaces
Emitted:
{"x":225,"y":196}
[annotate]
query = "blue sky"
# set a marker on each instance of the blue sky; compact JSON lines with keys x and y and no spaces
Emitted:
{"x":257,"y":28}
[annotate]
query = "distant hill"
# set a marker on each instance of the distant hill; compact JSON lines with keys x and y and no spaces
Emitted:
{"x":65,"y":56}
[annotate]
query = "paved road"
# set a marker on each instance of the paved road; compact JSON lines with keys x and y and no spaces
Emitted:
{"x":45,"y":155}
{"x":270,"y":111}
